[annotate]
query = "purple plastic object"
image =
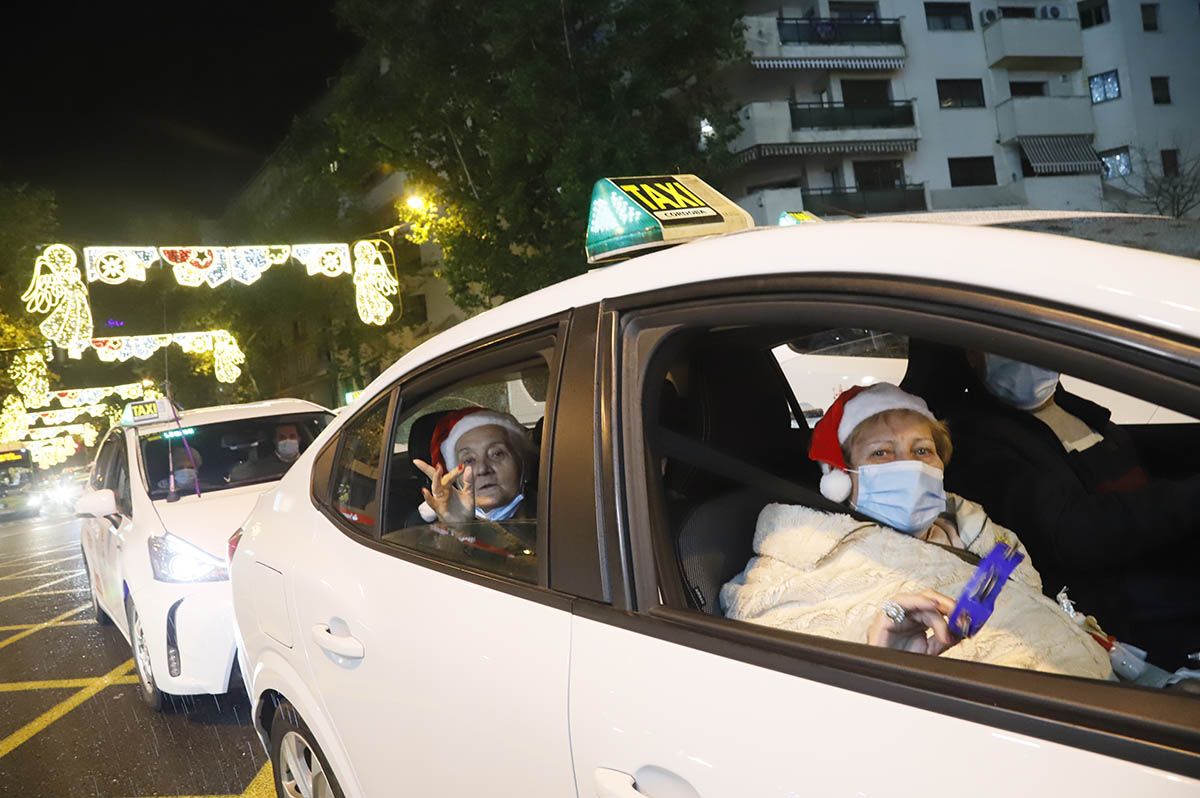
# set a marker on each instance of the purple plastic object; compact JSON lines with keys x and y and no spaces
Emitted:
{"x":978,"y":598}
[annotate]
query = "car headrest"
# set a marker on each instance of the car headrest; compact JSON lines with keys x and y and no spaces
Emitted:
{"x":420,"y":434}
{"x":939,"y":374}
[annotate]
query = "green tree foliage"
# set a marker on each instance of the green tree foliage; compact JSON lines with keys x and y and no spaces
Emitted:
{"x":508,"y":112}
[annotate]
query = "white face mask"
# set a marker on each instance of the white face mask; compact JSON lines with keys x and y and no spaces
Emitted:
{"x":185,"y":477}
{"x":288,"y":448}
{"x":1021,"y":385}
{"x":906,"y":495}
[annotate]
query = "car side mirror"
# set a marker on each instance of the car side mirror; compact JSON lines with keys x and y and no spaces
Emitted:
{"x":97,"y":503}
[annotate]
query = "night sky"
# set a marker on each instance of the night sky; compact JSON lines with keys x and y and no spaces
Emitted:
{"x":162,"y":109}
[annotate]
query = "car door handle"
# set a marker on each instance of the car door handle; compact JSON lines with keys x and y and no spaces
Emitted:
{"x":342,"y":645}
{"x":615,"y":784}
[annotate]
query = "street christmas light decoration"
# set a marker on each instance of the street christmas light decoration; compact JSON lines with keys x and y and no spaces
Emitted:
{"x":227,"y":355}
{"x":57,"y":288}
{"x":374,"y":280}
{"x":330,"y":260}
{"x":115,"y":265}
{"x":13,"y":421}
{"x":52,"y":452}
{"x":72,"y":397}
{"x":87,"y":432}
{"x":66,"y":415}
{"x":195,"y":266}
{"x":29,"y":376}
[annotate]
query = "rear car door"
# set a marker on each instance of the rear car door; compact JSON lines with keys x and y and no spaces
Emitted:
{"x":441,"y":660}
{"x":670,"y":698}
{"x":97,"y":534}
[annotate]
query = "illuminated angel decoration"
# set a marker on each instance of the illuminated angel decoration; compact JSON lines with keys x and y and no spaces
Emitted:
{"x":374,"y":280}
{"x":58,"y":289}
{"x":28,"y":374}
{"x":13,"y":421}
{"x":227,"y":357}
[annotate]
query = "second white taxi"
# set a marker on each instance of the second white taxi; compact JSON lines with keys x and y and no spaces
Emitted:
{"x":167,"y":489}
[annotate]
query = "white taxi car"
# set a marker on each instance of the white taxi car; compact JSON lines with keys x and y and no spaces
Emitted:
{"x":578,"y":648}
{"x":166,"y":490}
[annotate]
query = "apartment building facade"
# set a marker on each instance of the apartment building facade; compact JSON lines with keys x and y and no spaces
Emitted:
{"x":852,"y":108}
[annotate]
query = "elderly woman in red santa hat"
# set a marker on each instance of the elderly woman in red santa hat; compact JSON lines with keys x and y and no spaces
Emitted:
{"x":888,"y":583}
{"x":481,"y":459}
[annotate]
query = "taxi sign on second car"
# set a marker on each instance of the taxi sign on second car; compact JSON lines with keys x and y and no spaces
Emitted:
{"x":631,"y":214}
{"x":148,"y":412}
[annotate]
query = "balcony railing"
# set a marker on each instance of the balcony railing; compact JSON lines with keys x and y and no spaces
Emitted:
{"x":856,"y":202}
{"x":824,"y":30}
{"x":809,"y":115}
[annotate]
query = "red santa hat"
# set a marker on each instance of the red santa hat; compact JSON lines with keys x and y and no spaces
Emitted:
{"x":852,"y":407}
{"x":443,"y":443}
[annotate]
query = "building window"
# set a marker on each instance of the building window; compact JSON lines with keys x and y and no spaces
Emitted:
{"x":1027,"y":88}
{"x":1093,"y":13}
{"x":948,"y":16}
{"x":1160,"y":89}
{"x":1116,"y":163}
{"x":972,"y":171}
{"x":1104,"y":87}
{"x":863,"y":12}
{"x":1170,"y":163}
{"x":1018,"y":12}
{"x":1150,"y":16}
{"x":960,"y":93}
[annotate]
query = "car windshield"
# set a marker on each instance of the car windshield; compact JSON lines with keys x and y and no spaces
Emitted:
{"x":16,"y":472}
{"x":227,"y":454}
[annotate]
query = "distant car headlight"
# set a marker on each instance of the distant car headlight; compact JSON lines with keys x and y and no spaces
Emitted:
{"x":175,"y":560}
{"x":34,"y":500}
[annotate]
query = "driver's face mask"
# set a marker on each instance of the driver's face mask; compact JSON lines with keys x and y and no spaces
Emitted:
{"x":1024,"y":386}
{"x":288,"y":448}
{"x":185,"y":477}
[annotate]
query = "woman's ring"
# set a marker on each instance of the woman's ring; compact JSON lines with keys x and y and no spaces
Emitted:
{"x":894,"y":612}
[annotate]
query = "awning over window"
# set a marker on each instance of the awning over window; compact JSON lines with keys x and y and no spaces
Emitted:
{"x":873,"y":64}
{"x":826,"y":148}
{"x":1060,"y":155}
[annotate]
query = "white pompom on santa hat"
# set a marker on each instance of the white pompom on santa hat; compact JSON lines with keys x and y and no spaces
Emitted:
{"x":852,"y":407}
{"x":443,"y":444}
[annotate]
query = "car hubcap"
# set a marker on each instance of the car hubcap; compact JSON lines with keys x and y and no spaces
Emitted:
{"x":300,"y":770}
{"x":142,"y":654}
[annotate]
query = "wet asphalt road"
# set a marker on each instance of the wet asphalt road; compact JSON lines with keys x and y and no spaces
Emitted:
{"x":71,"y":721}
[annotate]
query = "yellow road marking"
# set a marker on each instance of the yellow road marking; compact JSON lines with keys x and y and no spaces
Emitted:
{"x":263,"y":786}
{"x":38,"y":567}
{"x":37,"y":627}
{"x":39,"y":587}
{"x":76,"y":572}
{"x":54,"y":592}
{"x":29,"y":556}
{"x":41,"y":722}
{"x":60,"y":684}
{"x":16,"y":627}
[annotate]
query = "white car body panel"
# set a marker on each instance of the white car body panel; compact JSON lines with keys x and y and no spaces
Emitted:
{"x":463,"y":689}
{"x":675,"y":717}
{"x":442,"y":656}
{"x":119,"y":560}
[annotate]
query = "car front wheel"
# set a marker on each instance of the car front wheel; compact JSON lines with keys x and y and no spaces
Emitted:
{"x":301,"y":770}
{"x":151,"y":695}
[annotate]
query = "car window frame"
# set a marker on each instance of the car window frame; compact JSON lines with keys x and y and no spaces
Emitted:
{"x":338,"y":444}
{"x":102,"y":466}
{"x":485,"y":355}
{"x":1149,"y":727}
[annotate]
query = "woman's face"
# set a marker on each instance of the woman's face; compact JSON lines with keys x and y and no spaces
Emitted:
{"x":889,"y":436}
{"x":496,"y":468}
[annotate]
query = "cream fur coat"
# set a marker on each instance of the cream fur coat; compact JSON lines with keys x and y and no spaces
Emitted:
{"x":827,"y":575}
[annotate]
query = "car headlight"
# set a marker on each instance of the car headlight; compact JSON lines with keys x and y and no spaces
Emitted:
{"x":175,"y":560}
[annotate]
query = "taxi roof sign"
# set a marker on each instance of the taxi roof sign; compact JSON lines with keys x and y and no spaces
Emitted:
{"x":150,"y":411}
{"x":797,"y":217}
{"x":632,"y":214}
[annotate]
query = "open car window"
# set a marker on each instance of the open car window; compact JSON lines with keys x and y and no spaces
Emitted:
{"x":1099,"y":490}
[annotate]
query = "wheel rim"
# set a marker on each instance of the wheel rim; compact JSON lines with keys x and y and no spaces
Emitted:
{"x":141,"y":655}
{"x":300,"y":770}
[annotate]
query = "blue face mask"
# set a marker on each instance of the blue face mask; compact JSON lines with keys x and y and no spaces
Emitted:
{"x":1021,"y":385}
{"x":906,"y":495}
{"x":500,"y":513}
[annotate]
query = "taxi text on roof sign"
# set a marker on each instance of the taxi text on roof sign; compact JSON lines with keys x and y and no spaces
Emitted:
{"x":148,"y":412}
{"x":631,"y":214}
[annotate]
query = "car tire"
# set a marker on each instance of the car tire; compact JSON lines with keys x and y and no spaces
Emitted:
{"x":147,"y":688}
{"x":294,"y":753}
{"x":98,"y":613}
